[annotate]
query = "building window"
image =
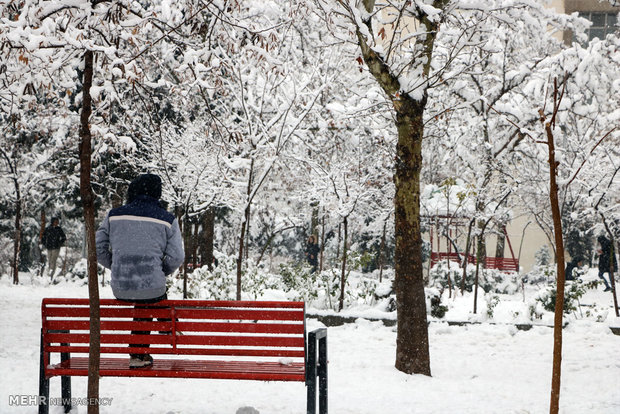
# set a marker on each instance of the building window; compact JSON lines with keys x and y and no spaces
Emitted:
{"x":602,"y":24}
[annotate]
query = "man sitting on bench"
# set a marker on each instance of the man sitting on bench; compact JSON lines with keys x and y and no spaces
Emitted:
{"x":141,"y":244}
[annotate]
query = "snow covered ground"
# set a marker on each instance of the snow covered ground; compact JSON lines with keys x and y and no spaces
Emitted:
{"x":481,"y":368}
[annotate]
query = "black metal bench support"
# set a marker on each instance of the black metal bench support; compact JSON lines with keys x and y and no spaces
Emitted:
{"x":317,"y":367}
{"x":65,"y":382}
{"x":44,"y":383}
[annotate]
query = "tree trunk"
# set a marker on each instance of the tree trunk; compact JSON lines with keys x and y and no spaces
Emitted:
{"x":481,"y":251}
{"x":612,"y":277}
{"x":41,"y":231}
{"x":501,"y":241}
{"x":466,"y":256}
{"x":88,"y":203}
{"x":187,"y":242}
{"x":208,"y":234}
{"x":479,"y":247}
{"x":612,"y":261}
{"x":481,"y":254}
{"x":244,"y":229}
{"x":246,"y":252}
{"x":338,"y":243}
{"x":556,"y":375}
{"x":248,"y":211}
{"x":314,"y":221}
{"x":195,"y":245}
{"x":240,"y":257}
{"x":322,"y":248}
{"x":18,"y":234}
{"x":412,"y":348}
{"x":343,"y":276}
{"x":381,"y":251}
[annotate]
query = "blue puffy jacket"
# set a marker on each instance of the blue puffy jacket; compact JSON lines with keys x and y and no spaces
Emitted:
{"x":141,"y":243}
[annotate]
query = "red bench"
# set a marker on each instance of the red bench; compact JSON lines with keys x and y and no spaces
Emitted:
{"x":241,"y":340}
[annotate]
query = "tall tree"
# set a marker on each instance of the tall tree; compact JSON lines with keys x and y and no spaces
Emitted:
{"x":88,"y":202}
{"x":400,"y":62}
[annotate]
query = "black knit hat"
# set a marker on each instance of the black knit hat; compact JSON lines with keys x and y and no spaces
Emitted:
{"x":145,"y":184}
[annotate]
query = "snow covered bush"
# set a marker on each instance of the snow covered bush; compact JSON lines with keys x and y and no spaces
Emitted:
{"x":298,"y":278}
{"x":542,"y":256}
{"x":5,"y":255}
{"x":433,"y":298}
{"x":221,"y":282}
{"x":202,"y":283}
{"x":492,"y":301}
{"x":80,"y":270}
{"x":439,"y":275}
{"x":574,"y":291}
{"x":540,"y":274}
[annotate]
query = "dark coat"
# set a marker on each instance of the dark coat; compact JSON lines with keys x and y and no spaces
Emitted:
{"x":603,"y":261}
{"x":312,"y":253}
{"x":53,"y":238}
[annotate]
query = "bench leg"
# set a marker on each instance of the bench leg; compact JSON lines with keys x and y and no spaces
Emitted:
{"x":323,"y":375}
{"x":65,"y":382}
{"x":311,"y":374}
{"x":313,"y":370}
{"x":44,"y":383}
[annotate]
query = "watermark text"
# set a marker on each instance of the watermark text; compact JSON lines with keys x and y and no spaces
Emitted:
{"x":28,"y":400}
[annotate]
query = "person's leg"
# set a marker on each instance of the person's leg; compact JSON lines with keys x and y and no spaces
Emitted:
{"x":52,"y":258}
{"x":144,"y":304}
{"x":140,"y":333}
{"x":601,"y":275}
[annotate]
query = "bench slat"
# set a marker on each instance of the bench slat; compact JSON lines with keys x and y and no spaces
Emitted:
{"x":179,"y":303}
{"x":206,"y":340}
{"x":229,"y":340}
{"x":240,"y":314}
{"x":288,"y":353}
{"x":107,"y":312}
{"x":108,"y":325}
{"x":84,"y":338}
{"x":239,"y":327}
{"x":119,"y":367}
{"x":283,"y":328}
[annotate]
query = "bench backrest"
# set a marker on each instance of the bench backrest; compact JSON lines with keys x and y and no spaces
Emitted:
{"x":238,"y":329}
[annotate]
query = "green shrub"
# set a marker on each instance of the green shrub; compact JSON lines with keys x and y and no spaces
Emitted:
{"x":573,"y":292}
{"x":492,"y":302}
{"x":298,"y":278}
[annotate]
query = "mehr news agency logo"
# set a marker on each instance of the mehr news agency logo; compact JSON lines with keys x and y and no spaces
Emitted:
{"x":29,"y":400}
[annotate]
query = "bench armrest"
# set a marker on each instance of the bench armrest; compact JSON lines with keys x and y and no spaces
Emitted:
{"x":319,"y":333}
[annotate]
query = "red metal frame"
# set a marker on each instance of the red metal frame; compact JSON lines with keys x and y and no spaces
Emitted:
{"x":501,"y":263}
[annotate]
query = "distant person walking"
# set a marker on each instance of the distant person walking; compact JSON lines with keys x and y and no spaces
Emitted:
{"x":53,"y":239}
{"x":606,"y":262}
{"x":141,"y":244}
{"x":312,"y":253}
